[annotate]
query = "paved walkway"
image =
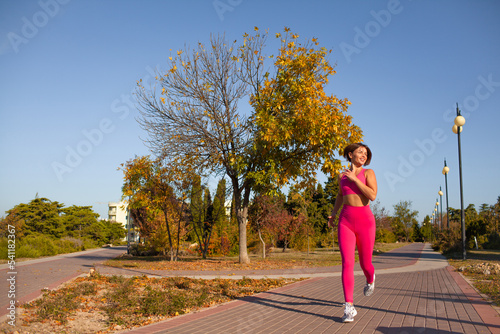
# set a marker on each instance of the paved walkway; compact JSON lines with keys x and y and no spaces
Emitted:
{"x":416,"y":292}
{"x":30,"y":277}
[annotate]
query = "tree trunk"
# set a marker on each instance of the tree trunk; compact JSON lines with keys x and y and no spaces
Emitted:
{"x":179,"y":231}
{"x":263,"y":245}
{"x":206,"y":241}
{"x":242,"y":226}
{"x":241,"y":209}
{"x":165,"y":213}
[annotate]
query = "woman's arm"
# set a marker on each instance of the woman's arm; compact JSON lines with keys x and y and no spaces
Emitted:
{"x":370,"y":188}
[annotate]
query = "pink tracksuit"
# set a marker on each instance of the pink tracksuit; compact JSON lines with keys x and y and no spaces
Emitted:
{"x":356,"y":228}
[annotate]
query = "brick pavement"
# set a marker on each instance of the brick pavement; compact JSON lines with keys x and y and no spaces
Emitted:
{"x":416,"y":292}
{"x":34,"y":275}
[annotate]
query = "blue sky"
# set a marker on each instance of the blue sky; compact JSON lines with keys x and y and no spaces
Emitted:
{"x":68,"y":69}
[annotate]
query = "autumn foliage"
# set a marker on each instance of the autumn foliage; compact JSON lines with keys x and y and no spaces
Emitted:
{"x":195,"y":122}
{"x":156,"y":199}
{"x":269,"y":216}
{"x":299,"y":127}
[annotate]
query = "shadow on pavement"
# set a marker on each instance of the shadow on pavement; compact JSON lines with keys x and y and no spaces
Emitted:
{"x":410,"y":330}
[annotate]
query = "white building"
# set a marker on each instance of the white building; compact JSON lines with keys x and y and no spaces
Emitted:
{"x":117,"y":212}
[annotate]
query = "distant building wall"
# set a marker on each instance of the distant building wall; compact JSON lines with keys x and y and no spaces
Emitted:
{"x":117,"y":212}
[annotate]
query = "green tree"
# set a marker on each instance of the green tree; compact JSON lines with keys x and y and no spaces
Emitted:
{"x":219,"y":211}
{"x":114,"y":231}
{"x":76,"y":219}
{"x":202,"y":213}
{"x":495,"y":217}
{"x":195,"y":123}
{"x":331,"y":190}
{"x":416,"y":234}
{"x":475,"y":225}
{"x":319,"y":210}
{"x":426,"y":229}
{"x":45,"y":227}
{"x":384,"y":231}
{"x":39,"y":216}
{"x":196,"y":206}
{"x":403,"y":219}
{"x":299,"y":206}
{"x":220,"y":219}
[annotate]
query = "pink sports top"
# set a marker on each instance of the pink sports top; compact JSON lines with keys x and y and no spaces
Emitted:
{"x":350,"y":188}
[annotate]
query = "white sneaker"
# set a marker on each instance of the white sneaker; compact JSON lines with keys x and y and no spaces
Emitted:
{"x":369,"y":288}
{"x":349,"y":313}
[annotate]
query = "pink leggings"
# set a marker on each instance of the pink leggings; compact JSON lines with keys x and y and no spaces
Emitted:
{"x":356,"y":228}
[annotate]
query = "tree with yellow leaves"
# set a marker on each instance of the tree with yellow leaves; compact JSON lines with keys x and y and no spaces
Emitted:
{"x":156,"y":197}
{"x":195,"y":122}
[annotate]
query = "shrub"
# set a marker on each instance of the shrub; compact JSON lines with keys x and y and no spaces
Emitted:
{"x":325,"y":240}
{"x":69,"y":245}
{"x":493,"y":241}
{"x":300,"y":242}
{"x":448,"y":242}
{"x":143,"y":250}
{"x":37,"y":245}
{"x":3,"y":248}
{"x":384,"y":235}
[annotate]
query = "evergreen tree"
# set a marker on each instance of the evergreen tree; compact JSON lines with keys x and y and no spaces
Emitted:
{"x":331,"y":190}
{"x":202,"y":214}
{"x":196,"y":204}
{"x":77,"y":219}
{"x":426,"y":229}
{"x":40,"y":216}
{"x":219,"y":217}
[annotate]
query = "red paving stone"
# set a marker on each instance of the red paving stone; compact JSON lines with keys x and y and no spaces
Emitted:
{"x":410,"y":301}
{"x":416,"y":292}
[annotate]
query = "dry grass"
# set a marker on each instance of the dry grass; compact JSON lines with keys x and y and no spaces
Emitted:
{"x":482,"y":267}
{"x":102,"y":304}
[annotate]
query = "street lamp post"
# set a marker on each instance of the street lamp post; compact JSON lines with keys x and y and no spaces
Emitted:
{"x":441,"y":222}
{"x":441,"y":201}
{"x":457,"y":128}
{"x":446,"y":169}
{"x":434,"y":215}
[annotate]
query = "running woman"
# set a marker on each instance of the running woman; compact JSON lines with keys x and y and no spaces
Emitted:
{"x":358,"y":186}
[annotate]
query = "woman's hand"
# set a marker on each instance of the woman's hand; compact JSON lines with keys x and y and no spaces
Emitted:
{"x":331,"y":221}
{"x":351,"y":175}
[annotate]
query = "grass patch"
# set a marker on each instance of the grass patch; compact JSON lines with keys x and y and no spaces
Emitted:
{"x":57,"y":306}
{"x":136,"y":301}
{"x":482,"y":267}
